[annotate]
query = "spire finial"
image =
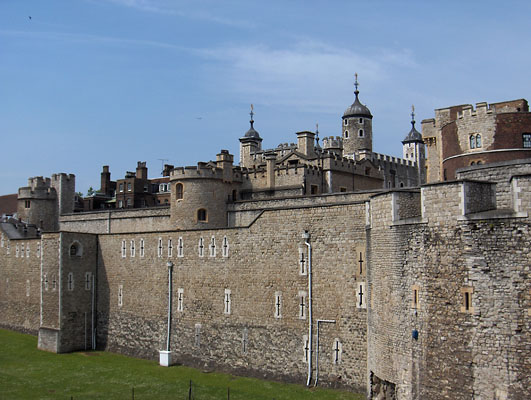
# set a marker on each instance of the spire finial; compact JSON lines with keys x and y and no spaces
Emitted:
{"x":413,"y":112}
{"x":316,"y":134}
{"x":252,"y":115}
{"x":356,"y":84}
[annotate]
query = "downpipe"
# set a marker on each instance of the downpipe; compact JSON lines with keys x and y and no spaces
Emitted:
{"x":306,"y":237}
{"x":170,"y":271}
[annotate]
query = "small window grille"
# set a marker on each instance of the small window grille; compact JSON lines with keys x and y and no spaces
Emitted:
{"x":302,"y":304}
{"x":142,"y":248}
{"x":180,"y":247}
{"x":278,"y":304}
{"x":180,"y":299}
{"x":245,"y":341}
{"x":159,"y":248}
{"x":70,"y":281}
{"x":302,"y":261}
{"x":88,"y":280}
{"x":225,"y":247}
{"x":120,"y":295}
{"x":201,"y":247}
{"x":526,"y":140}
{"x":213,"y":247}
{"x":227,"y":302}
{"x":197,"y":341}
{"x":337,"y":351}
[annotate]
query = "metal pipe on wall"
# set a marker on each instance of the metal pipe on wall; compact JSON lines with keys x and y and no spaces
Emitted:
{"x":170,"y":270}
{"x":306,"y":237}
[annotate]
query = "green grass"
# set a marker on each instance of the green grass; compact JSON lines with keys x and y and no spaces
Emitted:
{"x":28,"y":373}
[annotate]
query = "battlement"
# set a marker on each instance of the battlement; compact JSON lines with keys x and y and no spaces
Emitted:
{"x":377,"y":157}
{"x":201,"y":171}
{"x":332,"y":142}
{"x":38,"y":188}
{"x":63,"y":177}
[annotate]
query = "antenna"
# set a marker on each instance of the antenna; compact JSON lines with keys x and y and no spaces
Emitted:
{"x":162,"y":161}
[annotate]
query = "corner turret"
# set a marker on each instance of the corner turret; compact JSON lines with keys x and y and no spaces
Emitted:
{"x":250,"y":143}
{"x":357,"y":126}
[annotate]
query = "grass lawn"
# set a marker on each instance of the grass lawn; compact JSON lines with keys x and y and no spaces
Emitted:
{"x":28,"y":373}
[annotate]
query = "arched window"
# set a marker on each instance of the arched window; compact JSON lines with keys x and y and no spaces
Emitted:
{"x":346,"y":134}
{"x":472,"y":141}
{"x":179,"y":191}
{"x":75,"y":249}
{"x":478,"y":141}
{"x":201,"y":215}
{"x":345,"y":121}
{"x":473,"y":163}
{"x":360,"y":133}
{"x":361,"y":120}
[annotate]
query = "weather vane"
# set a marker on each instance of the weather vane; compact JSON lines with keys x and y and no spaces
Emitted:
{"x":356,"y":84}
{"x":413,"y":112}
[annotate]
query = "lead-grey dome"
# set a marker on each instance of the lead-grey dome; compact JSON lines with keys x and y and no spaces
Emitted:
{"x":413,"y":135}
{"x":252,"y":133}
{"x":357,"y":109}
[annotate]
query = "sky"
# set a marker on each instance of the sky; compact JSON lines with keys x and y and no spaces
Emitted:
{"x":87,"y":83}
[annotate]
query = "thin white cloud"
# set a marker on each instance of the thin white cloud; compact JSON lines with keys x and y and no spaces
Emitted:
{"x":190,"y":11}
{"x":306,"y":76}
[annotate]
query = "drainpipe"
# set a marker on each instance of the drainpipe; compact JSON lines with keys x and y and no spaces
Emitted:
{"x":306,"y":237}
{"x":319,"y":321}
{"x":170,"y":270}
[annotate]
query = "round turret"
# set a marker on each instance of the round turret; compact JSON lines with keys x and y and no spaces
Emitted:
{"x":357,"y":126}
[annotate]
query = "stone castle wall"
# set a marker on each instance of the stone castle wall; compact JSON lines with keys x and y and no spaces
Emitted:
{"x":20,"y":284}
{"x":251,"y":338}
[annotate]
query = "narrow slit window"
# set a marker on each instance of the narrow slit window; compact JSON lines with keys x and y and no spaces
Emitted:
{"x":336,"y":351}
{"x":180,"y":299}
{"x":302,"y":261}
{"x":213,"y":247}
{"x":179,"y":191}
{"x":170,"y":248}
{"x":305,"y":348}
{"x":225,"y":247}
{"x":45,"y":281}
{"x":22,"y":250}
{"x":302,"y":304}
{"x":466,"y":302}
{"x":142,"y":248}
{"x":180,"y":247}
{"x":227,"y":302}
{"x":278,"y":305}
{"x":159,"y":248}
{"x":245,"y":341}
{"x":27,"y":250}
{"x":197,"y":339}
{"x":201,"y":247}
{"x":120,"y":295}
{"x":124,"y":250}
{"x":88,"y":279}
{"x":132,"y":248}
{"x":70,"y":281}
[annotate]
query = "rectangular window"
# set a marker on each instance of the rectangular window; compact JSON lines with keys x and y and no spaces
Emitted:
{"x":314,"y":189}
{"x":170,"y":248}
{"x":27,"y":203}
{"x":213,"y":247}
{"x":54,"y":283}
{"x":17,"y":251}
{"x":70,"y":281}
{"x":278,"y":304}
{"x":159,"y":248}
{"x":197,"y":341}
{"x":360,"y":295}
{"x":22,"y":250}
{"x":124,"y":249}
{"x":302,"y":260}
{"x":129,"y":186}
{"x":245,"y":340}
{"x":342,"y":189}
{"x":466,"y":301}
{"x":225,"y":247}
{"x":180,"y":299}
{"x":120,"y":295}
{"x":27,"y":250}
{"x":132,"y":248}
{"x":121,"y":187}
{"x":88,"y":280}
{"x":201,"y":247}
{"x":415,"y":297}
{"x":526,"y":138}
{"x":305,"y":348}
{"x":45,"y":281}
{"x":141,"y":247}
{"x":120,"y":204}
{"x":227,"y":302}
{"x":180,"y":247}
{"x":38,"y":250}
{"x":302,"y":304}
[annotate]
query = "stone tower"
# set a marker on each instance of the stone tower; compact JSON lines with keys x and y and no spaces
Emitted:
{"x":357,"y":126}
{"x":414,"y":150}
{"x":250,"y":143}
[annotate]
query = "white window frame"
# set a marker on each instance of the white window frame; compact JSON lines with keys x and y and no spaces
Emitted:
{"x":180,"y":247}
{"x":160,"y":248}
{"x":170,"y":247}
{"x":212,"y":247}
{"x":142,"y":247}
{"x":132,"y":247}
{"x":227,"y":302}
{"x":305,"y":348}
{"x":360,"y":289}
{"x":303,"y":271}
{"x":302,"y":304}
{"x":120,"y":295}
{"x":201,"y":247}
{"x":225,"y":247}
{"x":180,"y":299}
{"x":124,"y":248}
{"x":337,"y":349}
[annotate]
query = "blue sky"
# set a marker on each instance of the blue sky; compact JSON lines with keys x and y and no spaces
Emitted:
{"x":85,"y":83}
